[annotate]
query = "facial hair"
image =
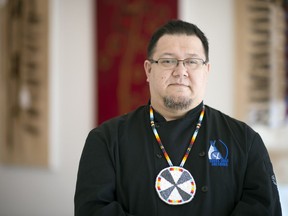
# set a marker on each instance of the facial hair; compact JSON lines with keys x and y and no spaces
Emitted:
{"x":181,"y":103}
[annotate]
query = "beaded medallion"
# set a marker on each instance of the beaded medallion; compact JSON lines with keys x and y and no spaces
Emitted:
{"x":174,"y":184}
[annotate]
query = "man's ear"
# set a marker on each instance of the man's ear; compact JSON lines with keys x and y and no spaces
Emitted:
{"x":208,"y":68}
{"x":147,"y":68}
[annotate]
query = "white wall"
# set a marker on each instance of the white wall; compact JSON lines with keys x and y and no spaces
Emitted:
{"x":40,"y":192}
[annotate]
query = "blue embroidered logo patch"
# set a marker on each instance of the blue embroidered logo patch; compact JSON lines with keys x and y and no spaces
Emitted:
{"x":218,"y":156}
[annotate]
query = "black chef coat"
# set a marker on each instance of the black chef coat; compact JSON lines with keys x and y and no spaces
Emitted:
{"x":229,"y":163}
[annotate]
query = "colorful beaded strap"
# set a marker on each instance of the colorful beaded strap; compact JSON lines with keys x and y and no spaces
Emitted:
{"x":191,"y":142}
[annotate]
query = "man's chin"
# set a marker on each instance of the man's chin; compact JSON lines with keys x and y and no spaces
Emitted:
{"x":177,"y":103}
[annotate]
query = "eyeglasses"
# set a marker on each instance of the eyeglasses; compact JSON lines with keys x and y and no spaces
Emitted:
{"x":171,"y":63}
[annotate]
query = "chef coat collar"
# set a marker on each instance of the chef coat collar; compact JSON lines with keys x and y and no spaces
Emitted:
{"x":190,"y":115}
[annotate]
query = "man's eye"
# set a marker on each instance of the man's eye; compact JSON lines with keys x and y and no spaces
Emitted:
{"x":192,"y":61}
{"x":168,"y":61}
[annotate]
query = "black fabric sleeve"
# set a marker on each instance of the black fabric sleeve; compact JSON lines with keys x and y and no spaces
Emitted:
{"x":260,"y":195}
{"x":95,"y":187}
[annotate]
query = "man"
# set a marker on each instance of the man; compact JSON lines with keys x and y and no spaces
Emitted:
{"x":176,"y":155}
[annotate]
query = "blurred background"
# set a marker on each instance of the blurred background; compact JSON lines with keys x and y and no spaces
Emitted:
{"x":68,"y":65}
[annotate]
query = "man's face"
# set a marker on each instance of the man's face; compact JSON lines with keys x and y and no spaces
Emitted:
{"x":182,"y":87}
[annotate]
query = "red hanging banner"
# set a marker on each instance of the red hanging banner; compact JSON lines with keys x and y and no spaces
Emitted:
{"x":124,"y":28}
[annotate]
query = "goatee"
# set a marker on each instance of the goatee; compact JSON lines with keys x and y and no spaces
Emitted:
{"x":180,"y":103}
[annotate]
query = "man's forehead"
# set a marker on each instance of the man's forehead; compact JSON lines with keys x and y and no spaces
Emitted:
{"x":190,"y":43}
{"x":172,"y":40}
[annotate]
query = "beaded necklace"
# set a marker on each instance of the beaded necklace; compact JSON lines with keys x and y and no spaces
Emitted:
{"x":174,"y":184}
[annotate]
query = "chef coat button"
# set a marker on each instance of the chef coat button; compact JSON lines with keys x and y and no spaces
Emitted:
{"x":159,"y":156}
{"x":202,"y":154}
{"x":204,"y":188}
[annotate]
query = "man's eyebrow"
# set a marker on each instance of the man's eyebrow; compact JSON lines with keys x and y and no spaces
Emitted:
{"x":190,"y":55}
{"x":193,"y":55}
{"x":167,"y":54}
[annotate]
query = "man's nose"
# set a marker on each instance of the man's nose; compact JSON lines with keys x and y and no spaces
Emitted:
{"x":180,"y":69}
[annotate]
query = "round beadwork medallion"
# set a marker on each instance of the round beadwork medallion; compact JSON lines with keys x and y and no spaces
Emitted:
{"x":175,"y":185}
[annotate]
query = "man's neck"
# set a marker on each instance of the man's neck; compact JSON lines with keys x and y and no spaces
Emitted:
{"x":172,"y":114}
